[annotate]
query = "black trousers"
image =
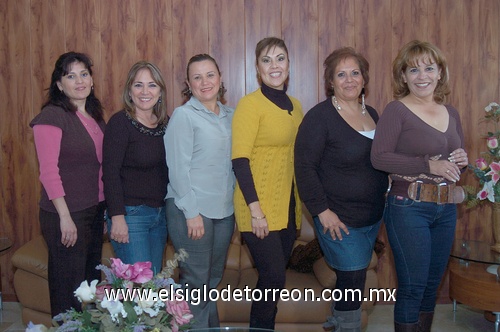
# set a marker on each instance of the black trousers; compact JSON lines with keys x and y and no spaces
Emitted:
{"x":68,"y":267}
{"x":271,"y":256}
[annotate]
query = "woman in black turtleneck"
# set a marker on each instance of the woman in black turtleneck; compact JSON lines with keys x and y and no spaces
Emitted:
{"x":267,"y":207}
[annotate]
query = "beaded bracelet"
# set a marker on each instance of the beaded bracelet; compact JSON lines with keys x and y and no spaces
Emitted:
{"x":259,"y":218}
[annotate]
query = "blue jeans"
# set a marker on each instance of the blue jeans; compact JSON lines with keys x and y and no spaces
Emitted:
{"x":421,"y":235}
{"x":353,"y":252}
{"x":147,"y":232}
{"x":206,"y":261}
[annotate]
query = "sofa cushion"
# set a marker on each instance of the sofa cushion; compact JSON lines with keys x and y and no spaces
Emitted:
{"x":33,"y":257}
{"x":32,"y":291}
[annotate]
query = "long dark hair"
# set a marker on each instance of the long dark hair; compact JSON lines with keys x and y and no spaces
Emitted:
{"x":58,"y":98}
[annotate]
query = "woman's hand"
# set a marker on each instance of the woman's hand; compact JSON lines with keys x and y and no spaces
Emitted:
{"x":119,"y":229}
{"x":195,"y":226}
{"x":259,"y":222}
{"x":69,"y":233}
{"x":332,"y":224}
{"x":259,"y":227}
{"x":447,"y":169}
{"x":459,"y":157}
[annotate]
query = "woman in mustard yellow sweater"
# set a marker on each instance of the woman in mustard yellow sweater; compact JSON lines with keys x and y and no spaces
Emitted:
{"x":267,"y":206}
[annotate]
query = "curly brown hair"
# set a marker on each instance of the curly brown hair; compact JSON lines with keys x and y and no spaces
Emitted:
{"x":333,"y":60}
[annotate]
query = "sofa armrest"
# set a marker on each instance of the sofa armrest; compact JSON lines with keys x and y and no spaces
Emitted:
{"x":32,"y":257}
{"x":325,"y":274}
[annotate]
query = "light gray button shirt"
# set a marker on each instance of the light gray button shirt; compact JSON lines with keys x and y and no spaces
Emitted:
{"x":198,"y":152}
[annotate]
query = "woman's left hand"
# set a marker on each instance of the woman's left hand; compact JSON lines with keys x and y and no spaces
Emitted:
{"x":459,"y":157}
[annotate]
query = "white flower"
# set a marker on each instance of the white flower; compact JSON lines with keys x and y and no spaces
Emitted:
{"x":153,"y":312}
{"x":149,"y":302}
{"x":487,"y":192}
{"x":113,"y":306}
{"x":86,"y":293}
{"x":35,"y":328}
{"x":490,"y":107}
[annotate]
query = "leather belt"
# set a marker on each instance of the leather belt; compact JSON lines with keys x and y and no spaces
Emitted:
{"x":441,"y":193}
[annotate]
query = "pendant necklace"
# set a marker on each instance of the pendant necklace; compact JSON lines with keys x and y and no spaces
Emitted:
{"x":337,"y":106}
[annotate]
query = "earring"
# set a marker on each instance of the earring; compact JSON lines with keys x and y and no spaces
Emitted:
{"x":159,"y":100}
{"x":363,"y":106}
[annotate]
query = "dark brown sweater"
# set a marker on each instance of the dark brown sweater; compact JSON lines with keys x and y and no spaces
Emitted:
{"x":404,"y":143}
{"x":134,"y":165}
{"x":78,"y":164}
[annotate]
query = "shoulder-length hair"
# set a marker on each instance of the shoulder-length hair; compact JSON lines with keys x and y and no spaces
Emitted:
{"x":58,"y":98}
{"x":333,"y":60}
{"x":409,"y":56}
{"x":160,"y":108}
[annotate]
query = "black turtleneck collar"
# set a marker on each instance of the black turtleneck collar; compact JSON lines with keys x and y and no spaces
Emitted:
{"x":278,"y":97}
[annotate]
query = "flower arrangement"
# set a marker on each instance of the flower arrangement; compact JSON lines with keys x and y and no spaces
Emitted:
{"x":127,"y":300}
{"x":487,"y":167}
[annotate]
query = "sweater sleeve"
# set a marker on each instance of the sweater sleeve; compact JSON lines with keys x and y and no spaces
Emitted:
{"x":243,"y":173}
{"x":387,"y":136}
{"x":179,"y":144}
{"x":309,"y":147}
{"x":48,"y":146}
{"x":114,"y":148}
{"x":245,"y":128}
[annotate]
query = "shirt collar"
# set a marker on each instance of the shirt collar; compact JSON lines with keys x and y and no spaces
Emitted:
{"x":197,"y":105}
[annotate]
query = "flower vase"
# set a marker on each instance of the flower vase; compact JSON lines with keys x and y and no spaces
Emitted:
{"x":496,"y":227}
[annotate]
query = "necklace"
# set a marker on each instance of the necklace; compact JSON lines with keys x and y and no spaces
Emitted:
{"x":93,"y":127}
{"x":337,"y":106}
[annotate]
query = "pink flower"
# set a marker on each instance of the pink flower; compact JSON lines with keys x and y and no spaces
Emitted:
{"x":487,"y":192}
{"x":495,"y":172}
{"x":481,"y":164}
{"x":492,"y":142}
{"x":100,"y":292}
{"x":180,"y":311}
{"x":141,"y":272}
{"x":121,"y":270}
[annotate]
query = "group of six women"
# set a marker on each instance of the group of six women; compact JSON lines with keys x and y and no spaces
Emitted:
{"x":212,"y":165}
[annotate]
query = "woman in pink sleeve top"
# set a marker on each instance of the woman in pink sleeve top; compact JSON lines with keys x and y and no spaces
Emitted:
{"x":420,"y":142}
{"x":68,"y":138}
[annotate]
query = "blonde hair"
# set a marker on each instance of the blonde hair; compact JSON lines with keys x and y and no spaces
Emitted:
{"x":160,"y":108}
{"x":408,"y":56}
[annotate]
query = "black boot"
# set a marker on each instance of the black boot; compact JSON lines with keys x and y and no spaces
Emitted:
{"x":425,"y":321}
{"x":405,"y":327}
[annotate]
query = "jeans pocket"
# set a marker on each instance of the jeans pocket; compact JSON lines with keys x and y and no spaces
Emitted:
{"x":400,"y":201}
{"x":133,"y":210}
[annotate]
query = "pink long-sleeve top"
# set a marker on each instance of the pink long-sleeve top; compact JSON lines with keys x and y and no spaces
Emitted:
{"x":48,"y":145}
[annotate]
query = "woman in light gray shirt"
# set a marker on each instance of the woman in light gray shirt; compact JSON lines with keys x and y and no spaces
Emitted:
{"x":199,"y":202}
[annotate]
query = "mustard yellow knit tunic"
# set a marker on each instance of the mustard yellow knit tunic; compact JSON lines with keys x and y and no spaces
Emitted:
{"x":265,"y":134}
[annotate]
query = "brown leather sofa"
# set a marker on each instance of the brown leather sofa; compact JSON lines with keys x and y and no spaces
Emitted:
{"x":31,"y":286}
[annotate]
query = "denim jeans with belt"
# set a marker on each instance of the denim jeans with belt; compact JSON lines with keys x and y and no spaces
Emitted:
{"x":421,"y":235}
{"x":147,"y":234}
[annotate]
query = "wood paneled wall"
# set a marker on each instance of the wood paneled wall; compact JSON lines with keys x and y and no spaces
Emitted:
{"x":117,"y":33}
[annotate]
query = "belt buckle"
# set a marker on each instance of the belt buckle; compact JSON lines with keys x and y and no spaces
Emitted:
{"x":439,"y":186}
{"x":418,"y":190}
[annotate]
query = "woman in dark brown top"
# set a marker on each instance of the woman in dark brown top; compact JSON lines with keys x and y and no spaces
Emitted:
{"x":419,"y":141}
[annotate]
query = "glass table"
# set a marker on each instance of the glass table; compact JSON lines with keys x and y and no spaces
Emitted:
{"x":5,"y":244}
{"x":473,"y":276}
{"x":230,"y":329}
